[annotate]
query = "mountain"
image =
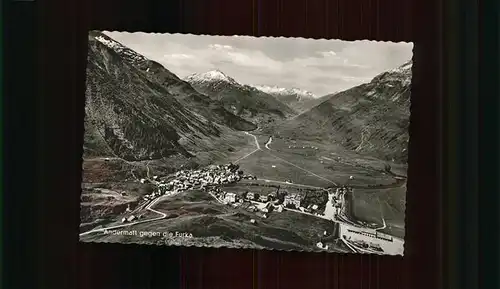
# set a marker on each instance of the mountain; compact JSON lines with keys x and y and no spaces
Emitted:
{"x":297,"y":93}
{"x":131,"y":115}
{"x":242,"y":100}
{"x":179,"y":89}
{"x":298,"y":99}
{"x":372,"y":118}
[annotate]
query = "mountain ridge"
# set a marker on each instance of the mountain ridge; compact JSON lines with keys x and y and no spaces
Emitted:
{"x":276,"y":90}
{"x":371,"y":118}
{"x":131,"y":116}
{"x":180,"y":89}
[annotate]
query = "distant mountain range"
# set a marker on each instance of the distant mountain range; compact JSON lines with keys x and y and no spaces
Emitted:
{"x":256,"y":98}
{"x":371,"y":118}
{"x":242,"y":100}
{"x":298,"y":99}
{"x":298,"y":94}
{"x":137,"y":109}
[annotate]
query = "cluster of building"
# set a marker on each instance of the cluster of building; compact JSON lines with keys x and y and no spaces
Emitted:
{"x":263,"y":204}
{"x":211,"y":180}
{"x":231,"y":198}
{"x":260,"y":204}
{"x":293,"y":200}
{"x":197,"y":179}
{"x":261,"y":198}
{"x":339,"y":201}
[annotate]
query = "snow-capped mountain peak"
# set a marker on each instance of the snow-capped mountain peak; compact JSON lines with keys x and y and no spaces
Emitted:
{"x":402,"y":74}
{"x":405,"y":68}
{"x":217,"y":74}
{"x":213,"y":75}
{"x":129,"y":54}
{"x":108,"y":42}
{"x":300,"y":93}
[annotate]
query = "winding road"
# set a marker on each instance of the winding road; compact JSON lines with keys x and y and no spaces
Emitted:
{"x":255,"y":139}
{"x":269,"y":142}
{"x":384,"y":225}
{"x":254,"y":151}
{"x":149,"y":208}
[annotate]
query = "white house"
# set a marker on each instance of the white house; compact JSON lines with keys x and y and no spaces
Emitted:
{"x":230,"y":198}
{"x":293,"y":200}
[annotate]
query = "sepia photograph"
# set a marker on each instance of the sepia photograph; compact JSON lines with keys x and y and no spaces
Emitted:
{"x":267,"y":143}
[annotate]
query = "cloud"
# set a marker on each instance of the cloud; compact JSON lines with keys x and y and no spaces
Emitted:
{"x":220,"y":47}
{"x":178,"y":56}
{"x":254,"y":59}
{"x":328,"y":53}
{"x":320,"y":66}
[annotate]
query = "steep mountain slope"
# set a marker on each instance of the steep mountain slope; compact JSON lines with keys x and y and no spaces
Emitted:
{"x":298,"y":99}
{"x":179,"y":89}
{"x":132,"y":117}
{"x":371,"y":118}
{"x":242,"y":100}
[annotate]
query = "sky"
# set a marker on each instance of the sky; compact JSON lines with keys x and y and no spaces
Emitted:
{"x":319,"y":66}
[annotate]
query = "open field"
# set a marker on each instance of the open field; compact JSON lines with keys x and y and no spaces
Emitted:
{"x":264,"y":166}
{"x":322,"y":147}
{"x":373,"y":205}
{"x":231,"y":147}
{"x":103,"y":203}
{"x":102,"y":170}
{"x":116,"y":170}
{"x":130,"y":188}
{"x":323,"y":160}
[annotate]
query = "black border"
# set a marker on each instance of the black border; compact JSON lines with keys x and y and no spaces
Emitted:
{"x":41,"y":42}
{"x":488,"y":225}
{"x":19,"y":116}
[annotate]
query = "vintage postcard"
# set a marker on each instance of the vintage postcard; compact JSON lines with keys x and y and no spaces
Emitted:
{"x":246,"y":142}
